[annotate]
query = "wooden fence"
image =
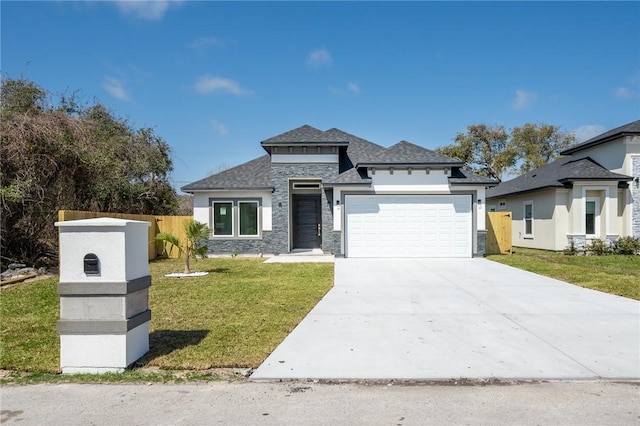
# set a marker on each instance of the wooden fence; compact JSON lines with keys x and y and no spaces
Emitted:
{"x":498,"y":233}
{"x":172,"y":224}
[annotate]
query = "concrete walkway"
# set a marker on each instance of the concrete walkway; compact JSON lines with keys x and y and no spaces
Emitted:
{"x":441,"y":319}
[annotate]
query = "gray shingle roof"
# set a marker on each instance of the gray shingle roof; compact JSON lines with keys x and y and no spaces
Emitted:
{"x":464,"y":176}
{"x":359,"y":149}
{"x":304,"y":134}
{"x":254,"y":174}
{"x":406,"y":153}
{"x":555,"y":175}
{"x":632,"y":128}
{"x":352,"y":176}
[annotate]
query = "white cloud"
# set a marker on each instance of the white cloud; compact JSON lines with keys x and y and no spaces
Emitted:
{"x":208,"y":84}
{"x":319,"y":57}
{"x":146,"y":9}
{"x":219,"y":127}
{"x":624,"y":92}
{"x":205,"y":42}
{"x":523,"y":99}
{"x":353,"y":87}
{"x":116,"y":88}
{"x":588,"y":131}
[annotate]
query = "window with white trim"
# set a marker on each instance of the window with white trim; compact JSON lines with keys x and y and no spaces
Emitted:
{"x":222,"y":218}
{"x":528,"y":219}
{"x":591,"y":216}
{"x":235,"y":218}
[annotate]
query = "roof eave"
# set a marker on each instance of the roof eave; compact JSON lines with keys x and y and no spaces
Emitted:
{"x":302,"y":143}
{"x":525,"y":191}
{"x":487,"y":184}
{"x":616,"y":179}
{"x":228,"y":188}
{"x":404,"y":164}
{"x":332,"y":184}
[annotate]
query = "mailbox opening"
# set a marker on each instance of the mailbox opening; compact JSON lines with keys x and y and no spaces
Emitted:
{"x":91,"y":264}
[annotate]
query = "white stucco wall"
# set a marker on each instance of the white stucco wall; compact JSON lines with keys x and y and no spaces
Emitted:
{"x":382,"y":181}
{"x":120,"y":245}
{"x":304,"y":158}
{"x":202,"y":205}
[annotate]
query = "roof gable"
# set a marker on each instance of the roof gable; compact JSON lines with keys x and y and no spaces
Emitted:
{"x":632,"y":128}
{"x":304,"y":134}
{"x":409,"y":153}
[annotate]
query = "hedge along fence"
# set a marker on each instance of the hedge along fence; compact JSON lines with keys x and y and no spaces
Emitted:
{"x":172,"y":224}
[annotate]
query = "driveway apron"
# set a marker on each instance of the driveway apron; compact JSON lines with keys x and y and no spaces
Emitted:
{"x":442,"y":319}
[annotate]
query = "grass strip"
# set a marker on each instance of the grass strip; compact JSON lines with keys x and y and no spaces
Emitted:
{"x":233,"y":317}
{"x":614,"y":274}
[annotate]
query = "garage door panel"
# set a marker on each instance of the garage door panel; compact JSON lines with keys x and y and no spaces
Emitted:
{"x":408,"y":226}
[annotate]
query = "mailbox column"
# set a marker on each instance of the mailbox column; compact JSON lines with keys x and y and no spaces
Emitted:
{"x":104,"y":294}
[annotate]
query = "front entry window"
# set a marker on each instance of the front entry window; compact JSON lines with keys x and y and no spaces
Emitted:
{"x":591,"y":216}
{"x":222,"y":218}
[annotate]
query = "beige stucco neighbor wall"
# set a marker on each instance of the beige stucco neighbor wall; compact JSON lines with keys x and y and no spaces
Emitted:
{"x":617,"y":156}
{"x":545,"y":212}
{"x":559,"y":213}
{"x":610,"y":222}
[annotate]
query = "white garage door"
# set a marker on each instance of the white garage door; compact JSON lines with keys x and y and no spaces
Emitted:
{"x":408,"y":226}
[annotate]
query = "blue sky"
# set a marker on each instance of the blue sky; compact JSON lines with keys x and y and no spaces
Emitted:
{"x":215,"y":78}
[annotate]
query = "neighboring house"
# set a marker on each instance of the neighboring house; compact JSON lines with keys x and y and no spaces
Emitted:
{"x":339,"y":193}
{"x":592,"y":191}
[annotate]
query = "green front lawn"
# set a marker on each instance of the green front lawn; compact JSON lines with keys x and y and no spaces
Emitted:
{"x":234,"y":317}
{"x":613,"y":274}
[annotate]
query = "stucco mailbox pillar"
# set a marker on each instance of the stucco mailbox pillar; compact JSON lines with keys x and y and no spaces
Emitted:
{"x":104,"y":294}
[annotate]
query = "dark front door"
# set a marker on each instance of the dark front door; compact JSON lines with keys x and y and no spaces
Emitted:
{"x":307,"y":232}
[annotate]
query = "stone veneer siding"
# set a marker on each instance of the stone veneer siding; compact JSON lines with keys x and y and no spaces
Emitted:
{"x":337,"y":243}
{"x":481,"y":237}
{"x":281,"y":174}
{"x":635,"y":194}
{"x":241,"y":245}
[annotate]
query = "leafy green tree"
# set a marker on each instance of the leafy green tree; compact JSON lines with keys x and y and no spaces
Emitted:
{"x":539,"y":144}
{"x":484,"y":149}
{"x":192,"y":246}
{"x":63,"y":155}
{"x":492,"y":151}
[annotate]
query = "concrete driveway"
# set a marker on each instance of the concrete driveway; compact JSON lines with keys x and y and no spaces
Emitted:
{"x":440,"y":319}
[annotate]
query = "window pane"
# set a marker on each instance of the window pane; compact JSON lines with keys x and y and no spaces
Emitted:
{"x":248,"y":218}
{"x":528,"y":210}
{"x":222,"y":219}
{"x":590,"y":218}
{"x":528,"y":226}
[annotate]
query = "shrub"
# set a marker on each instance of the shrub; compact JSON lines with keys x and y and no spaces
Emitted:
{"x":627,"y":245}
{"x":598,"y":247}
{"x":571,"y":249}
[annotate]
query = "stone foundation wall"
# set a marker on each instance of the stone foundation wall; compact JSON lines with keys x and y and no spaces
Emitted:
{"x":242,"y":245}
{"x":481,"y":238}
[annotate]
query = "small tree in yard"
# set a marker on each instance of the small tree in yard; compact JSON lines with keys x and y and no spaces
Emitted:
{"x":193,"y":245}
